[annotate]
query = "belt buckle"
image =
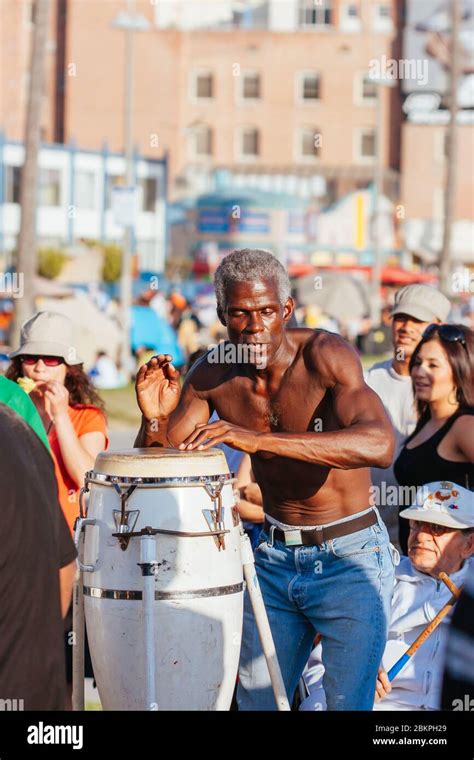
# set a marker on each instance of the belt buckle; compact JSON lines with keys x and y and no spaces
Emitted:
{"x":293,"y":538}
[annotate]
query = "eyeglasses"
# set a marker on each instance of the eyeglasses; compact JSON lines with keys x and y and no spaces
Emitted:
{"x":429,"y":527}
{"x":50,"y":361}
{"x":449,"y":333}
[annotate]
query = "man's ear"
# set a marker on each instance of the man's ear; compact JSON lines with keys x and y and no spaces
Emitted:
{"x":288,"y":309}
{"x":221,"y":316}
{"x":469,"y":547}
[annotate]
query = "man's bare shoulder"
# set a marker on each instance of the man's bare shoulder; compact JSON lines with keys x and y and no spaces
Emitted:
{"x":332,"y":357}
{"x":207,"y":372}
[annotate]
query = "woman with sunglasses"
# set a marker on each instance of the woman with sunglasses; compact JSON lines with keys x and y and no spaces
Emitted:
{"x":47,"y":366}
{"x":442,"y":445}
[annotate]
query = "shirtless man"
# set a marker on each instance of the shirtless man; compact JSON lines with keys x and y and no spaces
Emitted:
{"x":312,"y":428}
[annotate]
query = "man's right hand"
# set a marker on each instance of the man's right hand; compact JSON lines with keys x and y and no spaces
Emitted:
{"x":157,"y":387}
{"x":383,"y":685}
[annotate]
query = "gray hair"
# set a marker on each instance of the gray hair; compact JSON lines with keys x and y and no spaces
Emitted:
{"x":247,"y":265}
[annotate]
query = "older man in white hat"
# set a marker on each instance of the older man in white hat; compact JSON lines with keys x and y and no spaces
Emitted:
{"x":415,"y":307}
{"x":441,"y":540}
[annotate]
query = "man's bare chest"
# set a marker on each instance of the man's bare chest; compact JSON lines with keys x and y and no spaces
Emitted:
{"x":298,"y":404}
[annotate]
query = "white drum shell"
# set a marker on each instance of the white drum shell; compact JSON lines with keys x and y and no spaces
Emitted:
{"x":198,"y":600}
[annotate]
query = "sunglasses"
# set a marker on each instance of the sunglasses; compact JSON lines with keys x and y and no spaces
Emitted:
{"x":433,"y":528}
{"x":49,"y":361}
{"x":449,"y":333}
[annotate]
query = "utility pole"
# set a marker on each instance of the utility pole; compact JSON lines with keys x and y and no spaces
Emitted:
{"x":445,"y":259}
{"x":130,"y":22}
{"x":375,"y":304}
{"x":26,"y":256}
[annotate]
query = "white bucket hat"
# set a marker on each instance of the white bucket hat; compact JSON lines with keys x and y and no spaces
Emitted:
{"x":444,"y":503}
{"x":48,"y":334}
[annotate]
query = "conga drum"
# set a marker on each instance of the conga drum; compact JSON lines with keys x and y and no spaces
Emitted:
{"x":184,"y":502}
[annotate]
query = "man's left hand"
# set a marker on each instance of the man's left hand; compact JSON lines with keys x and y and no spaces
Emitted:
{"x":210,"y":434}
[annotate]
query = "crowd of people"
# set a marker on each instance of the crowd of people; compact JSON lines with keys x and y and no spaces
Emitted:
{"x":321,"y":450}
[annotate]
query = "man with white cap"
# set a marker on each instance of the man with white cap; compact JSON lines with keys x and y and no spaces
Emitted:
{"x":415,"y":307}
{"x":441,"y":540}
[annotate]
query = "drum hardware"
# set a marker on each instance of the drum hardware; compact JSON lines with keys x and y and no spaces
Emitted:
{"x":79,"y":525}
{"x":149,"y":568}
{"x":215,"y":517}
{"x":82,"y":492}
{"x":124,"y":538}
{"x":125,"y":523}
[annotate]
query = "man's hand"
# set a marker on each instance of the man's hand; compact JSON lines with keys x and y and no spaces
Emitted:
{"x":383,"y":685}
{"x":209,"y":434}
{"x":157,"y":387}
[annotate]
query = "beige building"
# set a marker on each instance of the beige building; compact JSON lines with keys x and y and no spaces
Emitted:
{"x":279,"y":96}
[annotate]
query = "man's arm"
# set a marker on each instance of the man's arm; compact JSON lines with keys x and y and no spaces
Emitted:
{"x":169,"y":414}
{"x":365,"y":440}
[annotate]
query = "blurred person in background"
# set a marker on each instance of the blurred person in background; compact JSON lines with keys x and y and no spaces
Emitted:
{"x":37,"y":571}
{"x":104,"y":372}
{"x":415,"y":307}
{"x":442,"y":444}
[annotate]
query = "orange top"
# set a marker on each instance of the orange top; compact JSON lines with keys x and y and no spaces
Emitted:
{"x":85,"y":418}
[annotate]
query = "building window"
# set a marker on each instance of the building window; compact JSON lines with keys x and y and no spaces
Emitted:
{"x":366,"y":145}
{"x":349,"y":19}
{"x":365,"y":90}
{"x":309,"y":143}
{"x":382,"y":17}
{"x":85,"y":184}
{"x":250,"y":86}
{"x":149,"y":188}
{"x":203,"y":85}
{"x":113,"y":180}
{"x":309,"y":87}
{"x":12,"y":183}
{"x":201,"y":141}
{"x":49,"y":187}
{"x":249,"y":142}
{"x":314,"y":14}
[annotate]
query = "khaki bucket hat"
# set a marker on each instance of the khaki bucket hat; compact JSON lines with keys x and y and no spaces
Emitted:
{"x":48,"y":334}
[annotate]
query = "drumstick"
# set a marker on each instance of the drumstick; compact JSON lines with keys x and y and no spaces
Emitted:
{"x":396,"y":668}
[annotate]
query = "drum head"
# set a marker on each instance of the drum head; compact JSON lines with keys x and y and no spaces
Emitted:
{"x":161,"y":463}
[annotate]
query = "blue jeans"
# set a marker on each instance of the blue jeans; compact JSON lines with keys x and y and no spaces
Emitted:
{"x":341,"y":589}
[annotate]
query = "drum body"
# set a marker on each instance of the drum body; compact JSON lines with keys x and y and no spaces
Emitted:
{"x":198,"y":607}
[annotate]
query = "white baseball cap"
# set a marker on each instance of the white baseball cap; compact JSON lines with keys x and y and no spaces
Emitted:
{"x":444,"y":503}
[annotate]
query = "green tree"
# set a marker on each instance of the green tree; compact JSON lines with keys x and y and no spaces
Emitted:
{"x":51,"y":262}
{"x":112,"y":267}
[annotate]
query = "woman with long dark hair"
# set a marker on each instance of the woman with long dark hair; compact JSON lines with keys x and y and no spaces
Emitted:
{"x":47,"y":366}
{"x":442,"y":445}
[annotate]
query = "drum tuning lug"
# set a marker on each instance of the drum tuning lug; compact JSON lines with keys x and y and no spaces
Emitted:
{"x":125,"y":523}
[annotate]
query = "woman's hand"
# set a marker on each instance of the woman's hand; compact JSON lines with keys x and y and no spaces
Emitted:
{"x":57,"y":396}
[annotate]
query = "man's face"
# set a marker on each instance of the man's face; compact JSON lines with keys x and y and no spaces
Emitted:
{"x":254,"y":316}
{"x":432,"y":554}
{"x":406,"y":334}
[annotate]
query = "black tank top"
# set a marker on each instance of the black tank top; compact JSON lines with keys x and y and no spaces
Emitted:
{"x":423,"y":464}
